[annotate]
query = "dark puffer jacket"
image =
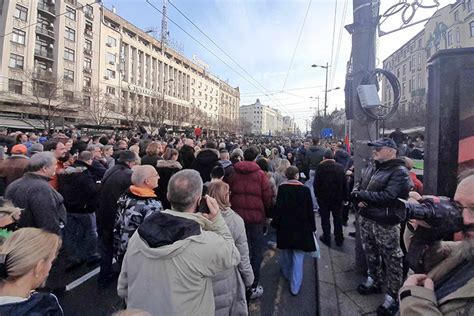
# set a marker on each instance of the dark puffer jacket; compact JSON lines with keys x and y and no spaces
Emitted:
{"x":314,"y":155}
{"x":206,"y":160}
{"x":380,"y":188}
{"x":186,"y":156}
{"x":251,"y":192}
{"x":78,"y":188}
{"x":330,"y":184}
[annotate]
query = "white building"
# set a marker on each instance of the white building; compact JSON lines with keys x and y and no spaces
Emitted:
{"x":263,"y":119}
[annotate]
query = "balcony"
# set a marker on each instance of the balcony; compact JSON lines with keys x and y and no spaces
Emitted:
{"x":89,"y":15}
{"x":44,"y":54}
{"x":42,"y":75}
{"x":45,"y":32}
{"x":47,"y":9}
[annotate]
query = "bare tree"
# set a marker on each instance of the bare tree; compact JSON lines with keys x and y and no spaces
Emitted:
{"x":99,"y":106}
{"x":49,"y":95}
{"x":129,"y":110}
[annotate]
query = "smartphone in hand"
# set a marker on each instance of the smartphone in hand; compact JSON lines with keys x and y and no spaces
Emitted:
{"x":203,"y":208}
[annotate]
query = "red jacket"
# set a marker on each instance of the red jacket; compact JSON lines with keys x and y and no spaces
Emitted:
{"x":418,"y":185}
{"x":251,"y":192}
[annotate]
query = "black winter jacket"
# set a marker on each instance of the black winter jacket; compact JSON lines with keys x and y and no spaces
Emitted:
{"x":186,"y":156}
{"x":116,"y":180}
{"x":380,"y":187}
{"x":294,"y":218}
{"x":204,"y":162}
{"x":166,"y":169}
{"x":330,"y":184}
{"x":314,"y":155}
{"x":79,"y":189}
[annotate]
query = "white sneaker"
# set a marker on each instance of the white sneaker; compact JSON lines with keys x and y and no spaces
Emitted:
{"x":256,"y":292}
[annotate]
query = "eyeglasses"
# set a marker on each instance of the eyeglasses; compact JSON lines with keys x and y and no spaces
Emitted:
{"x":462,"y":207}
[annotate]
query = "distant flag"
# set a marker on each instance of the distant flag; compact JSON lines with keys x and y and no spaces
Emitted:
{"x":348,"y":143}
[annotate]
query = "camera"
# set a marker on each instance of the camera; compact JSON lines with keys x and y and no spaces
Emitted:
{"x":440,"y":212}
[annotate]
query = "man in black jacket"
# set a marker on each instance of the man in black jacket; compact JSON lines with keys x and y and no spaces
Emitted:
{"x":80,"y":191}
{"x":116,"y":180}
{"x":330,"y":188}
{"x":313,"y":156}
{"x":379,"y":220}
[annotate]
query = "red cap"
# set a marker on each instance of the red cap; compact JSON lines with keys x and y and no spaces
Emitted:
{"x":19,"y":149}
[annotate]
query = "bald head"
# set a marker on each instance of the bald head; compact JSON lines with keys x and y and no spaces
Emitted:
{"x":144,"y":176}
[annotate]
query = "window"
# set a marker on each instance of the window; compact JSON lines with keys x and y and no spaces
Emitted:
{"x":469,"y":5}
{"x":87,"y":101}
{"x":404,"y":69}
{"x":69,"y":54}
{"x":456,"y":16}
{"x":18,"y":36}
{"x":403,"y":89}
{"x":458,"y":35}
{"x":15,"y":86}
{"x":87,"y":82}
{"x":68,"y":95}
{"x":419,"y":59}
{"x":471,"y":26}
{"x":68,"y":75}
{"x":419,"y":81}
{"x":70,"y":34}
{"x":110,"y":90}
{"x":412,"y":83}
{"x":420,"y":43}
{"x":20,"y":13}
{"x":88,"y":10}
{"x":111,"y":58}
{"x":16,"y":61}
{"x":88,"y":28}
{"x":111,"y":41}
{"x":88,"y":45}
{"x":71,"y":13}
{"x":110,"y":73}
{"x":88,"y":63}
{"x":450,"y":38}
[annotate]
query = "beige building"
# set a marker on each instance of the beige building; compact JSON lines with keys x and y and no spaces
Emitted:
{"x":104,"y":70}
{"x":450,"y":27}
{"x":262,"y":118}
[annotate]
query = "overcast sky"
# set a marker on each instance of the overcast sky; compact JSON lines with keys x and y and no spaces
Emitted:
{"x":261,"y":36}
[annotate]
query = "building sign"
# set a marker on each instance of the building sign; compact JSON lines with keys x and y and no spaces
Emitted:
{"x":144,"y":91}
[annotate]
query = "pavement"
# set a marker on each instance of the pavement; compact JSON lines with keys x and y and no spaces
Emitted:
{"x":338,"y":279}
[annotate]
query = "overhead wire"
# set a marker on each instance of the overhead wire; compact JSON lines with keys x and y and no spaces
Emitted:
{"x":280,"y":91}
{"x":221,"y":49}
{"x":333,"y":38}
{"x":297,"y":44}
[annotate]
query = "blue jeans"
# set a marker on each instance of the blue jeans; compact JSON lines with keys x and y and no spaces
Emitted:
{"x":81,"y":237}
{"x":291,"y":264}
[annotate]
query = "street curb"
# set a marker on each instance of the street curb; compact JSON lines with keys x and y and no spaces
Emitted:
{"x":316,"y":285}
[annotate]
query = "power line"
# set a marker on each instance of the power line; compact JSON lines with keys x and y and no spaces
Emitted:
{"x":280,"y":91}
{"x":338,"y":47}
{"x":333,"y":37}
{"x":221,"y":49}
{"x":33,"y":24}
{"x":297,"y":43}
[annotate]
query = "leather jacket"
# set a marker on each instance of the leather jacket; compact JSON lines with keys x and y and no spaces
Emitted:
{"x":380,"y":187}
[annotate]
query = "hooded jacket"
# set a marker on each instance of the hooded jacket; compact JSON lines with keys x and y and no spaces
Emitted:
{"x":206,"y":160}
{"x":78,"y":188}
{"x":37,"y":304}
{"x":13,"y":168}
{"x":175,"y":255}
{"x":330,"y":184}
{"x":228,"y":169}
{"x":452,"y":273}
{"x":166,"y":169}
{"x":251,"y":192}
{"x":380,"y":188}
{"x":229,"y":286}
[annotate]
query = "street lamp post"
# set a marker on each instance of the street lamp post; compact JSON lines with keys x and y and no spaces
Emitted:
{"x":326,"y":86}
{"x":316,"y":98}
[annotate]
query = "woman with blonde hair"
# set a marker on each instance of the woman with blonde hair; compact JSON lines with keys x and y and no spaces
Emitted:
{"x":280,"y":171}
{"x":230,"y":286}
{"x":26,"y":258}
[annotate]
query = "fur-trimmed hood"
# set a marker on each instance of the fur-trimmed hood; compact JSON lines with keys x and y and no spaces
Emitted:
{"x":172,"y":164}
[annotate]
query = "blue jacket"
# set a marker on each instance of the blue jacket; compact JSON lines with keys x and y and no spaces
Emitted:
{"x":44,"y":304}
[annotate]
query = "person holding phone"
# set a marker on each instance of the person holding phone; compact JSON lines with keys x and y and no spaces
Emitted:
{"x":178,"y":252}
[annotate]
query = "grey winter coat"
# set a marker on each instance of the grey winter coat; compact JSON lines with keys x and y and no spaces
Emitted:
{"x":229,"y":286}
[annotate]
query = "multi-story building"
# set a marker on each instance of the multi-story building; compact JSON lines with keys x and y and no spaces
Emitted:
{"x":450,"y":27}
{"x":101,"y":69}
{"x":289,"y":126}
{"x":262,"y":118}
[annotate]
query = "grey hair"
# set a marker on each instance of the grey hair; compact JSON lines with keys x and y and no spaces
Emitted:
{"x":93,"y":147}
{"x":40,"y":160}
{"x":184,"y":188}
{"x":141,"y":173}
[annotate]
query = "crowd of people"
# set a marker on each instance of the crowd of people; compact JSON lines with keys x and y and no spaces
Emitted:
{"x":186,"y":217}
